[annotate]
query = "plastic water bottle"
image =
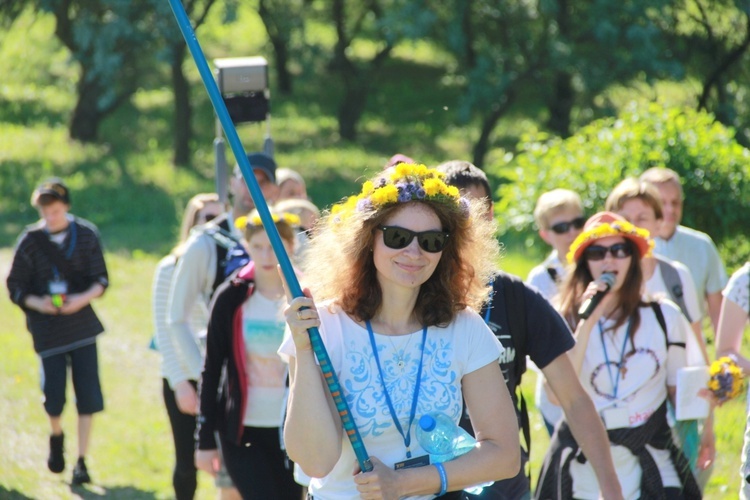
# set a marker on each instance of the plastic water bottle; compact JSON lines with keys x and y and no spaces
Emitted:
{"x":445,"y":440}
{"x":442,"y":438}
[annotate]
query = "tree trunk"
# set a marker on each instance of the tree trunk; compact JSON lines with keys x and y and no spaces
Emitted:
{"x":182,"y":110}
{"x":84,"y":125}
{"x":352,"y":105}
{"x":482,"y":146}
{"x":561,"y":105}
{"x":281,"y":54}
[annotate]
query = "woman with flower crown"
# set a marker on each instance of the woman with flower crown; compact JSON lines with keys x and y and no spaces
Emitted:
{"x":397,"y":274}
{"x":627,"y":353}
{"x":243,"y":384}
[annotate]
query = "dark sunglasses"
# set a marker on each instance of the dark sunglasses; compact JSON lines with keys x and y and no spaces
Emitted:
{"x":618,"y":251}
{"x":397,"y":238}
{"x":564,"y":227}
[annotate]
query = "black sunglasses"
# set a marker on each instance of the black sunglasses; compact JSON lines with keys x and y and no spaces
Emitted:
{"x":564,"y":227}
{"x":618,"y":251}
{"x":398,"y":237}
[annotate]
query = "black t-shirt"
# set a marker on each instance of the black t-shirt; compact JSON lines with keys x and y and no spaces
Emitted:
{"x":547,"y":335}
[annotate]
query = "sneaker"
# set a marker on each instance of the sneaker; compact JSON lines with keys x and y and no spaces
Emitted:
{"x":80,"y":473}
{"x":56,"y":459}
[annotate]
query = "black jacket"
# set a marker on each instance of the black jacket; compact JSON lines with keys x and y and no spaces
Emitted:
{"x":223,"y":387}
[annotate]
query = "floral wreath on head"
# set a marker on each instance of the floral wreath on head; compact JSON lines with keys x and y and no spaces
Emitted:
{"x":401,"y":184}
{"x":255,"y":221}
{"x":615,"y":228}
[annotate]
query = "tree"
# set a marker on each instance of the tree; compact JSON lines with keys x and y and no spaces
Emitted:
{"x":284,"y":21}
{"x":175,"y":51}
{"x":715,"y":169}
{"x":108,"y":39}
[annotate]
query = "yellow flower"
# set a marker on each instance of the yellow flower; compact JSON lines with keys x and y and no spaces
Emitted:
{"x":432,"y":187}
{"x":384,"y":195}
{"x":240,"y":222}
{"x":367,"y":188}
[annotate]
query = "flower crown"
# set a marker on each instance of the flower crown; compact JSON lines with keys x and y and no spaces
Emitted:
{"x":255,"y":221}
{"x":726,"y":379}
{"x":615,"y":228}
{"x":406,"y":182}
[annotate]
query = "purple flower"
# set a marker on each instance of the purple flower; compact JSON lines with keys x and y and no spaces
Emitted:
{"x":364,"y":205}
{"x":403,"y":195}
{"x":420,"y":194}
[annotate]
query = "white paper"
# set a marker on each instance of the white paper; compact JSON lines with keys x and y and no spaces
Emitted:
{"x":690,"y":406}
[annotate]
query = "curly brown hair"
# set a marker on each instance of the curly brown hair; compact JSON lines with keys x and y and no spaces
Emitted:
{"x":339,"y":267}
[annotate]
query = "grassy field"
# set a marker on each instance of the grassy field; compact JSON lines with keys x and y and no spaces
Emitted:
{"x":131,"y":452}
{"x":127,"y":186}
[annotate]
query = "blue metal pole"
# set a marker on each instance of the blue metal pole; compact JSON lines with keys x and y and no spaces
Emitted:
{"x":273,"y":234}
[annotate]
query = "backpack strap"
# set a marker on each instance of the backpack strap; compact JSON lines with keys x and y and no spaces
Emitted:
{"x":513,"y":290}
{"x":224,"y":241}
{"x":663,"y":324}
{"x":553,"y":274}
{"x":674,"y":285}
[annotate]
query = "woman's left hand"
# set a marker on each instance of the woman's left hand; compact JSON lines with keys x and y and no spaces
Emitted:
{"x":380,"y":483}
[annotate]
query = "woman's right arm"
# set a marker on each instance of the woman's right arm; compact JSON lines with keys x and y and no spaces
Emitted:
{"x":312,"y":431}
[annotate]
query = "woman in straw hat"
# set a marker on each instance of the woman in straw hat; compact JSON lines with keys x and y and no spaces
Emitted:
{"x":628,"y":350}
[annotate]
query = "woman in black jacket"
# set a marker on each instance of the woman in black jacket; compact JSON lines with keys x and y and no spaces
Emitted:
{"x":244,"y":380}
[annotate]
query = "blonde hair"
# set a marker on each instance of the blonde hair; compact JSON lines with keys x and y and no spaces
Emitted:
{"x":190,"y":217}
{"x":634,"y":189}
{"x":338,"y":264}
{"x":553,"y":202}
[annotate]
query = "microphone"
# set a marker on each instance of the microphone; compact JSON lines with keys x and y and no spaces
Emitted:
{"x":590,"y":304}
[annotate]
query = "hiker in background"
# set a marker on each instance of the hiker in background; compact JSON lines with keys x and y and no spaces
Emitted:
{"x":525,"y":323}
{"x":201,"y":209}
{"x":639,"y":203}
{"x":398,"y":275}
{"x":202,"y":267}
{"x":243,"y":383}
{"x":308,"y":214}
{"x":559,"y":218}
{"x":58,"y":269}
{"x":627,"y":352}
{"x":735,"y":311}
{"x":691,"y":247}
{"x":291,"y":185}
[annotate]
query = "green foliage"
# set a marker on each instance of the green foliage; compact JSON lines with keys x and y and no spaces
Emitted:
{"x":714,"y":168}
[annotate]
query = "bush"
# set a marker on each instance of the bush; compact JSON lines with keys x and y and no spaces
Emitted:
{"x":715,"y":169}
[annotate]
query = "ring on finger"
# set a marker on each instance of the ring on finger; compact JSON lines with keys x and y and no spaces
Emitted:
{"x":299,"y":314}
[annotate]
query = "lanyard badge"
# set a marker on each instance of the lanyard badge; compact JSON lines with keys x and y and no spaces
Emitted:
{"x":58,"y":289}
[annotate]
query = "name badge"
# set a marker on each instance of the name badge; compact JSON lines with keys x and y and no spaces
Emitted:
{"x":413,"y":462}
{"x":616,"y":418}
{"x":58,"y":287}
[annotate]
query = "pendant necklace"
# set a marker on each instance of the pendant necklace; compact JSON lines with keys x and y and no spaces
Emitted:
{"x":399,"y":353}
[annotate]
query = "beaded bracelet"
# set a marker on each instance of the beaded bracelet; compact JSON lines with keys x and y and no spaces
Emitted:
{"x":443,"y":478}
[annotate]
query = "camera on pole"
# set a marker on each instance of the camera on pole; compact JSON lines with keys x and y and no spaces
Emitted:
{"x":243,"y":83}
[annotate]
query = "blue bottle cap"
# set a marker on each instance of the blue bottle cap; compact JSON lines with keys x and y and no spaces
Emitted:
{"x":427,"y":422}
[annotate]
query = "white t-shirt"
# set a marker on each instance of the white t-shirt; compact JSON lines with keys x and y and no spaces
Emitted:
{"x":466,"y":345}
{"x":263,"y":331}
{"x":643,"y":388}
{"x":737,"y":289}
{"x":539,"y":277}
